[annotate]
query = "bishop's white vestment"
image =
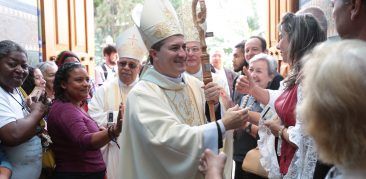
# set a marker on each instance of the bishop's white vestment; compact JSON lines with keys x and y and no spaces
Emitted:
{"x":163,"y":134}
{"x":107,"y":99}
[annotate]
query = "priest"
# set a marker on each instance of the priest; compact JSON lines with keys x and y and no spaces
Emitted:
{"x":105,"y":104}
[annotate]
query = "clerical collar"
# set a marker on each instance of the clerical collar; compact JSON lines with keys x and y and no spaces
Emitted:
{"x":132,"y":84}
{"x":198,"y":75}
{"x":179,"y":79}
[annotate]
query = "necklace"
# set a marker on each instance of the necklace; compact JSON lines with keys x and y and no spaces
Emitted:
{"x":22,"y":103}
{"x":245,"y":102}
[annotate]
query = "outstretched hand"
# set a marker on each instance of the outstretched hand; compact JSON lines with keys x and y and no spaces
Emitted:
{"x":118,"y":127}
{"x":226,"y":100}
{"x":235,"y":117}
{"x":245,"y":83}
{"x":212,"y":165}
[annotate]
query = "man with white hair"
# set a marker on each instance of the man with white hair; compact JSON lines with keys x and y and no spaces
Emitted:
{"x":105,"y":104}
{"x":226,"y":74}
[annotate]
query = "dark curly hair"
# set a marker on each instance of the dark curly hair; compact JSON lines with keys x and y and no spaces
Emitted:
{"x":29,"y":83}
{"x":62,"y":75}
{"x":109,"y":49}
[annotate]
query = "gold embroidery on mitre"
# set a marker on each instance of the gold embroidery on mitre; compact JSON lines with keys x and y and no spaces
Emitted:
{"x":185,"y":16}
{"x":168,"y":27}
{"x":131,"y":48}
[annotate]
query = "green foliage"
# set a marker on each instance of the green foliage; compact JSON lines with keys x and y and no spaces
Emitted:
{"x":97,"y":3}
{"x":252,"y":20}
{"x":228,"y":51}
{"x":253,"y":23}
{"x":112,"y":17}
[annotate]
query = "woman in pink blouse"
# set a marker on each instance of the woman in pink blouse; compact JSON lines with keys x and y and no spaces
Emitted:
{"x":77,"y":138}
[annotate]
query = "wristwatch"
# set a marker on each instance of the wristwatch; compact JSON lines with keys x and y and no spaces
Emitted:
{"x":248,"y":129}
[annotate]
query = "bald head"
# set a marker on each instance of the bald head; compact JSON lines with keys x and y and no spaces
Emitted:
{"x":349,"y":17}
{"x":318,"y":14}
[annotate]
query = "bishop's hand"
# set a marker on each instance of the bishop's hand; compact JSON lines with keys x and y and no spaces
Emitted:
{"x":212,"y":92}
{"x":235,"y":117}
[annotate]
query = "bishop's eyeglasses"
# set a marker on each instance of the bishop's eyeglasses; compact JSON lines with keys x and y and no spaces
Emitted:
{"x":130,"y":65}
{"x":193,"y":49}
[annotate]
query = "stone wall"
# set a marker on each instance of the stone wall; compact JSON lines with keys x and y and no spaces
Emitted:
{"x":19,"y":22}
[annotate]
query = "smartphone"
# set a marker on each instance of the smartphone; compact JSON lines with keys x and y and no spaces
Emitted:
{"x":36,"y":94}
{"x":110,"y":118}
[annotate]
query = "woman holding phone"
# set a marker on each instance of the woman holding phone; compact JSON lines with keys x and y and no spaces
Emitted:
{"x":19,"y":121}
{"x":77,"y":139}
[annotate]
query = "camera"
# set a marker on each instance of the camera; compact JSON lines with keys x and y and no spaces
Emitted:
{"x":36,"y":94}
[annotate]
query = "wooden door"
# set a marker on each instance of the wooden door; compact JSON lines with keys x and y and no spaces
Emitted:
{"x":68,"y":25}
{"x":276,"y":9}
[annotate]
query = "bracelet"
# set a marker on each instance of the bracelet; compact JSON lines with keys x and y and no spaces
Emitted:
{"x":112,"y":136}
{"x":280,"y":132}
{"x":219,"y":133}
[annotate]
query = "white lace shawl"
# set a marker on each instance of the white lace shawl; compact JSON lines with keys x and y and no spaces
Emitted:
{"x":266,"y":145}
{"x":304,"y":161}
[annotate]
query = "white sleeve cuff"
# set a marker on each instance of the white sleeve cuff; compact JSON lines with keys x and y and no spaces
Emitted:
{"x":210,"y":135}
{"x":222,"y":127}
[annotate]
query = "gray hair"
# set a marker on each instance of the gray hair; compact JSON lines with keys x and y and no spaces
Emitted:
{"x":271,"y":62}
{"x":43,"y":66}
{"x":8,"y":46}
{"x":334,"y":100}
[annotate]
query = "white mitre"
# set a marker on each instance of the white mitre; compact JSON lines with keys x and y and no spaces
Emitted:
{"x":185,"y":16}
{"x":130,"y":44}
{"x":156,"y":20}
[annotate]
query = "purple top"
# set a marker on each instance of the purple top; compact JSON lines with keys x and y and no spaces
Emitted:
{"x":71,"y":130}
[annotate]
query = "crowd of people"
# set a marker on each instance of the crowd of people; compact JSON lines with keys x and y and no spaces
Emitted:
{"x":151,"y":120}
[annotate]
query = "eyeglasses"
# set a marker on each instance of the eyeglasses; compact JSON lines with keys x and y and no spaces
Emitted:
{"x":131,"y":65}
{"x":193,"y":50}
